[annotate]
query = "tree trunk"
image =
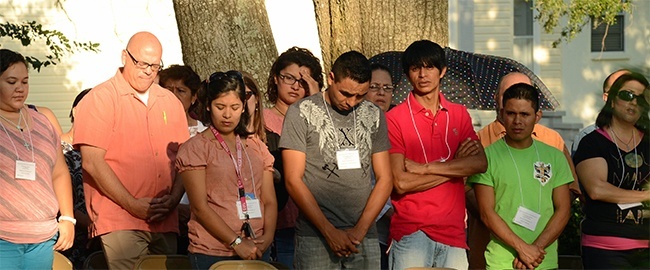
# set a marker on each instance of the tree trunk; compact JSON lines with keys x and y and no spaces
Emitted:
{"x":376,"y":26}
{"x":220,"y":35}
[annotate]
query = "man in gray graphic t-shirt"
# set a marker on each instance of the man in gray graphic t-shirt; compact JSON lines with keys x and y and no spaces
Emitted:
{"x":330,"y":140}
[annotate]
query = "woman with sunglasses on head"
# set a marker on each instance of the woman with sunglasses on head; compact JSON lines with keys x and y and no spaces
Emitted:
{"x":228,"y":178}
{"x":612,"y":164}
{"x":294,"y":75}
{"x":34,"y":179}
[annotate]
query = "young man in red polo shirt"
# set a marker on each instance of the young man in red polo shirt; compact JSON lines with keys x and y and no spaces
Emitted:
{"x":433,"y":147}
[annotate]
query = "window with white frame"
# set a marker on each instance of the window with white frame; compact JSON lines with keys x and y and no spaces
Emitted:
{"x":614,"y":36}
{"x":523,"y":32}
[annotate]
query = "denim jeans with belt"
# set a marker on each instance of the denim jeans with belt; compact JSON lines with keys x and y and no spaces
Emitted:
{"x":418,"y":250}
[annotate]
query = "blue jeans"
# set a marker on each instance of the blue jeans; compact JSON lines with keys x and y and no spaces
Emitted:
{"x":314,"y":253}
{"x":27,"y":256}
{"x":418,"y":250}
{"x":202,"y":261}
{"x":284,"y":246}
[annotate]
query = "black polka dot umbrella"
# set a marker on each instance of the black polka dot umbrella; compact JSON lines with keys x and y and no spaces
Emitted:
{"x":471,"y":78}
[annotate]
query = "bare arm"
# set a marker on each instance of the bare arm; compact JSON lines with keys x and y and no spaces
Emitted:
{"x":530,"y":255}
{"x":164,"y":205}
{"x":559,"y":219}
{"x":49,"y":114}
{"x":461,"y":166}
{"x":107,"y":182}
{"x":194,"y":182}
{"x":378,"y":196}
{"x":592,"y":174}
{"x":405,"y":182}
{"x":294,"y":170}
{"x":574,"y":187}
{"x":62,"y":186}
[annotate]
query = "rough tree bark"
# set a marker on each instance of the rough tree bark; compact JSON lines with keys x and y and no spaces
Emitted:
{"x":219,"y":35}
{"x":375,"y":26}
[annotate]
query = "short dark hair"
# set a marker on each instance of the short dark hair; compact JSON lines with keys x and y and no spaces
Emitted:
{"x":78,"y":98}
{"x":300,"y":57}
{"x":377,"y":66}
{"x":423,"y":53}
{"x":353,"y":65}
{"x":8,"y":58}
{"x":185,"y":74}
{"x":522,"y":91}
{"x":605,"y":115}
{"x":216,"y":85}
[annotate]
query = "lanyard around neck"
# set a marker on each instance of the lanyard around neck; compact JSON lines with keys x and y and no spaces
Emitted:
{"x":521,"y":192}
{"x":426,"y":159}
{"x":29,"y":146}
{"x":238,"y":164}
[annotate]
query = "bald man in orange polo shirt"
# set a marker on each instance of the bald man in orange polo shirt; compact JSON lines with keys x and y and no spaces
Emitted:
{"x":128,"y":130}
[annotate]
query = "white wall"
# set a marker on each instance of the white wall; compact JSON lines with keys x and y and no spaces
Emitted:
{"x":583,"y":72}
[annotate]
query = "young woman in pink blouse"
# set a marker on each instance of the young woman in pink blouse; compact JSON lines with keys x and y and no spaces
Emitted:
{"x":228,"y":178}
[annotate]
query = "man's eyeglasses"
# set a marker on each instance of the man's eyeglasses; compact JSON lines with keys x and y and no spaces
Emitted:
{"x":290,"y":80}
{"x":144,"y":65}
{"x":627,"y":95}
{"x":376,"y":87}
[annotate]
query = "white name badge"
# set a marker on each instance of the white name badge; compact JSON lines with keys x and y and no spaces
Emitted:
{"x":526,"y":218}
{"x":254,"y":209}
{"x":25,"y":170}
{"x":348,"y":159}
{"x":624,"y":206}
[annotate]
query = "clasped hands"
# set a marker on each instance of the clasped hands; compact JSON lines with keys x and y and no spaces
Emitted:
{"x":344,"y":242}
{"x":153,"y":209}
{"x":529,"y":256}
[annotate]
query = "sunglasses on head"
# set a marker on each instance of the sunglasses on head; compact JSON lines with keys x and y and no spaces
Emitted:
{"x":220,"y":75}
{"x":628,"y":95}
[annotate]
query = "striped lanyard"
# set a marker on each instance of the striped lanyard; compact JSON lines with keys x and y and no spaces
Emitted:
{"x":238,"y":164}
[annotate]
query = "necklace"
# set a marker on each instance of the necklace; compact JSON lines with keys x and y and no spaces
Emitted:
{"x":20,"y":118}
{"x":276,"y":108}
{"x":621,"y":140}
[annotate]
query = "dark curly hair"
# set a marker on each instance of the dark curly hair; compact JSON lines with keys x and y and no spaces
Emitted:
{"x":300,"y":57}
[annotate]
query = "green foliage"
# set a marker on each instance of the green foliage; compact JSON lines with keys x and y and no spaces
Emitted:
{"x":58,"y":45}
{"x":579,"y":13}
{"x":569,"y":240}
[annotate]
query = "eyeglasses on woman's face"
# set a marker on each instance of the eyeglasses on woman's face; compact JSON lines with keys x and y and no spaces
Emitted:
{"x":376,"y":87}
{"x":291,"y":80}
